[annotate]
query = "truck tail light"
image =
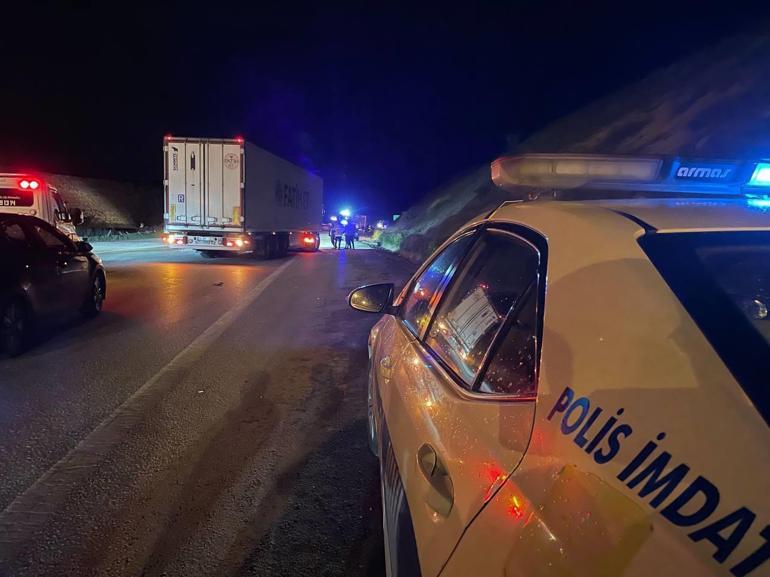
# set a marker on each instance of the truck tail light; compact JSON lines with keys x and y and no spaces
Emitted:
{"x":29,"y":183}
{"x":239,"y":242}
{"x":174,"y":239}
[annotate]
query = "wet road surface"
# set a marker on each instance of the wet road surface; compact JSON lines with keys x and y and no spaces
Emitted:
{"x":210,"y":422}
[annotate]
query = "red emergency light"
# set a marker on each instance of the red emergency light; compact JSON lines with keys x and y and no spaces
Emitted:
{"x":29,"y":183}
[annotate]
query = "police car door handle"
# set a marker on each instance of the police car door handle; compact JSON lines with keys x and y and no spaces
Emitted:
{"x":440,"y":495}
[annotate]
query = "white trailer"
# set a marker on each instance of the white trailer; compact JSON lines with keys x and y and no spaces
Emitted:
{"x":32,"y":195}
{"x":229,"y":196}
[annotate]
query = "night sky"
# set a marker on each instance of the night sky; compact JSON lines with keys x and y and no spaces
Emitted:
{"x":384,"y":101}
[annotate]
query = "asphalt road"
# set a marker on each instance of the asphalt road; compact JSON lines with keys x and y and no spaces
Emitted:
{"x":210,"y":422}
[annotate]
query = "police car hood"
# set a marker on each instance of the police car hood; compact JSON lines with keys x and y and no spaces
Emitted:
{"x":684,"y":214}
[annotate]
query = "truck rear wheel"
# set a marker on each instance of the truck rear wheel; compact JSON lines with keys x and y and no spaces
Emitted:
{"x":271,"y":247}
{"x":283,"y":244}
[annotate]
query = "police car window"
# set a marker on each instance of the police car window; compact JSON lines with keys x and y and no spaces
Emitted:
{"x":512,"y":368}
{"x":723,"y":280}
{"x":51,"y":239}
{"x":491,"y":283}
{"x":423,"y":295}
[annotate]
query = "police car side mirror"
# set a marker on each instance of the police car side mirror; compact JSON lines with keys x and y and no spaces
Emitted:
{"x":373,"y":298}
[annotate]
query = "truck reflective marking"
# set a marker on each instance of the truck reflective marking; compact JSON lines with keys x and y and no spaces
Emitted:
{"x":725,"y":533}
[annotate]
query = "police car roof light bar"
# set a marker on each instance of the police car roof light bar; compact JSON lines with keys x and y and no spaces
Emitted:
{"x":658,"y":175}
{"x":571,"y":170}
{"x":761,"y":175}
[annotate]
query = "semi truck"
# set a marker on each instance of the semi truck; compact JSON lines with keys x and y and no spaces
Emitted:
{"x":28,"y":194}
{"x":228,"y":196}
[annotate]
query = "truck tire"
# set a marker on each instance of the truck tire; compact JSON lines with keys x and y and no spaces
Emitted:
{"x":271,"y":247}
{"x":283,"y":244}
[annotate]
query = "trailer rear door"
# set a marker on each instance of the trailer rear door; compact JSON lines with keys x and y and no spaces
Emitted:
{"x":184,"y":198}
{"x":223,"y":179}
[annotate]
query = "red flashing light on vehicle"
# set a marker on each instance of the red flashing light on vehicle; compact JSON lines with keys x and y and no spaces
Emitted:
{"x":31,"y":184}
{"x":239,"y":139}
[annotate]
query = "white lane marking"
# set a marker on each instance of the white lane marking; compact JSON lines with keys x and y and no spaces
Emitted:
{"x":30,"y":510}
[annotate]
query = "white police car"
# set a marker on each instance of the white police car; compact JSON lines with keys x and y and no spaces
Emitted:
{"x":582,"y":387}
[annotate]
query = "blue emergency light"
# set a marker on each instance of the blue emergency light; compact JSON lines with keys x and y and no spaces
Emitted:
{"x":620,"y":174}
{"x":761,"y":176}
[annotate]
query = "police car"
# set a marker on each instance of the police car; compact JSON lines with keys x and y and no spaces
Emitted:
{"x":580,"y":384}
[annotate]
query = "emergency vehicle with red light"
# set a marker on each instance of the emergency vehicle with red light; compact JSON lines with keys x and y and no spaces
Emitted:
{"x":579,"y":382}
{"x":34,"y":196}
{"x":227,"y":196}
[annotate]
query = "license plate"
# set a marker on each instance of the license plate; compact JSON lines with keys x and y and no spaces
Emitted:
{"x":205,"y":240}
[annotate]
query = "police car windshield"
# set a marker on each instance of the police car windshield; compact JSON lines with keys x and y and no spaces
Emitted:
{"x":723,"y":279}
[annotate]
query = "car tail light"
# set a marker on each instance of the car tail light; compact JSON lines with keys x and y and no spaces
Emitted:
{"x":309,"y":240}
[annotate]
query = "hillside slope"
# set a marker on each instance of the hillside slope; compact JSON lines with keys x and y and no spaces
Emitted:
{"x":111,"y":204}
{"x":713,"y":104}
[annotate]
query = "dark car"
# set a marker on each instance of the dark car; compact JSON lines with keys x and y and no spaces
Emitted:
{"x":43,"y":275}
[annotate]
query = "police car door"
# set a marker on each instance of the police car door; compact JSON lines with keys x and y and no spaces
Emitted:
{"x":459,"y":418}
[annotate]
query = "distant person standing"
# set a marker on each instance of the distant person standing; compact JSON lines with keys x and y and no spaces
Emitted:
{"x":335,"y":232}
{"x":350,"y":235}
